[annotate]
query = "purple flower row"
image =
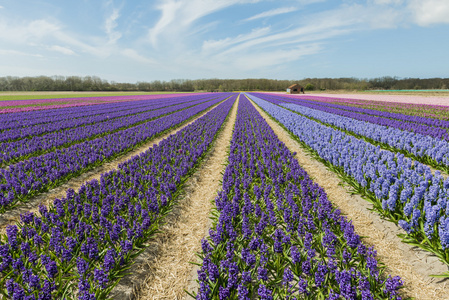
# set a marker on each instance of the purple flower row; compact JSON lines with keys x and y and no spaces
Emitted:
{"x":75,"y":118}
{"x":83,"y":243}
{"x":401,"y":189}
{"x":18,"y":120}
{"x":385,"y":114}
{"x":36,"y":145}
{"x":25,"y":179}
{"x":277,"y":236}
{"x":425,"y":126}
{"x":27,"y":107}
{"x":408,"y":105}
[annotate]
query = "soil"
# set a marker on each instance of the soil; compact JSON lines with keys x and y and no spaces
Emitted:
{"x":413,"y":265}
{"x":164,"y":269}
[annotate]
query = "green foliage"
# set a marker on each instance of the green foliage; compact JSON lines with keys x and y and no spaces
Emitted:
{"x":94,"y":83}
{"x":309,"y":87}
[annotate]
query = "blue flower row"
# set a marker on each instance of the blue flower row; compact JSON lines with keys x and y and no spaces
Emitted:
{"x":420,"y":146}
{"x":402,"y":189}
{"x":379,"y":113}
{"x":417,"y":130}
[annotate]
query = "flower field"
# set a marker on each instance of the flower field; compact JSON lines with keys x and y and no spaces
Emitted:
{"x":275,"y":232}
{"x":52,"y":103}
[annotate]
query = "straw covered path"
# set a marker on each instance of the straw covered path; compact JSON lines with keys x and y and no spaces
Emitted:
{"x":413,"y":265}
{"x":163,"y":270}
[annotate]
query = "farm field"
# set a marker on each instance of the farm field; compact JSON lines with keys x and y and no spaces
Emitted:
{"x":224,"y":196}
{"x":20,"y":102}
{"x":66,"y":94}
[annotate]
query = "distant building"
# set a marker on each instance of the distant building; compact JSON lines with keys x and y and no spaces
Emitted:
{"x":295,"y":89}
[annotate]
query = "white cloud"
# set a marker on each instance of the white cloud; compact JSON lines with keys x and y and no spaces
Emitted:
{"x":216,"y":45}
{"x":323,"y":29}
{"x":309,"y":36}
{"x":63,"y":50}
{"x":41,"y":28}
{"x":387,"y":2}
{"x":429,"y":12}
{"x":97,"y":50}
{"x":44,"y":33}
{"x":253,"y":61}
{"x":26,"y":32}
{"x":307,"y":2}
{"x":19,"y":53}
{"x":179,"y":15}
{"x":131,"y":53}
{"x":110,"y":24}
{"x":169,"y":11}
{"x":1,"y":7}
{"x":273,"y":12}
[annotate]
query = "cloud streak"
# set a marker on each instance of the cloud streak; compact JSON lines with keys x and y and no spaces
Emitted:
{"x":203,"y":38}
{"x":131,"y":53}
{"x":210,"y":46}
{"x":271,"y":13}
{"x":19,"y":53}
{"x":110,"y":24}
{"x":177,"y":16}
{"x":63,"y":50}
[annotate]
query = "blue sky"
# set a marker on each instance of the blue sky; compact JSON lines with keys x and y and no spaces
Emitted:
{"x":130,"y":41}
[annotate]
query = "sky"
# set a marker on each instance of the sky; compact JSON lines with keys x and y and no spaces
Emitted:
{"x":132,"y":41}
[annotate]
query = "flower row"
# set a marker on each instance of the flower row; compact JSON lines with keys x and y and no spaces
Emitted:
{"x":29,"y":107}
{"x":36,"y":145}
{"x":18,"y":120}
{"x":424,"y":126}
{"x":276,"y":235}
{"x":408,"y":105}
{"x":80,"y":246}
{"x":403,"y":190}
{"x":75,"y":118}
{"x":423,"y":148}
{"x":26,"y":178}
{"x":379,"y":113}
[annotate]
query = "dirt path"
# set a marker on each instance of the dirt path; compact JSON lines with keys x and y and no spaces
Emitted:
{"x":412,"y":265}
{"x":163,"y":270}
{"x":75,"y":183}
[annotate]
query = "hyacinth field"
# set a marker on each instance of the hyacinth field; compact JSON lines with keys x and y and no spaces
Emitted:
{"x":275,"y":232}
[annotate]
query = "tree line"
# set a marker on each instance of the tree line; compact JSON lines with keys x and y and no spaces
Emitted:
{"x":94,"y":83}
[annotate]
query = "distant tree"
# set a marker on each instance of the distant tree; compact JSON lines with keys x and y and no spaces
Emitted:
{"x":94,"y":83}
{"x":309,"y":87}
